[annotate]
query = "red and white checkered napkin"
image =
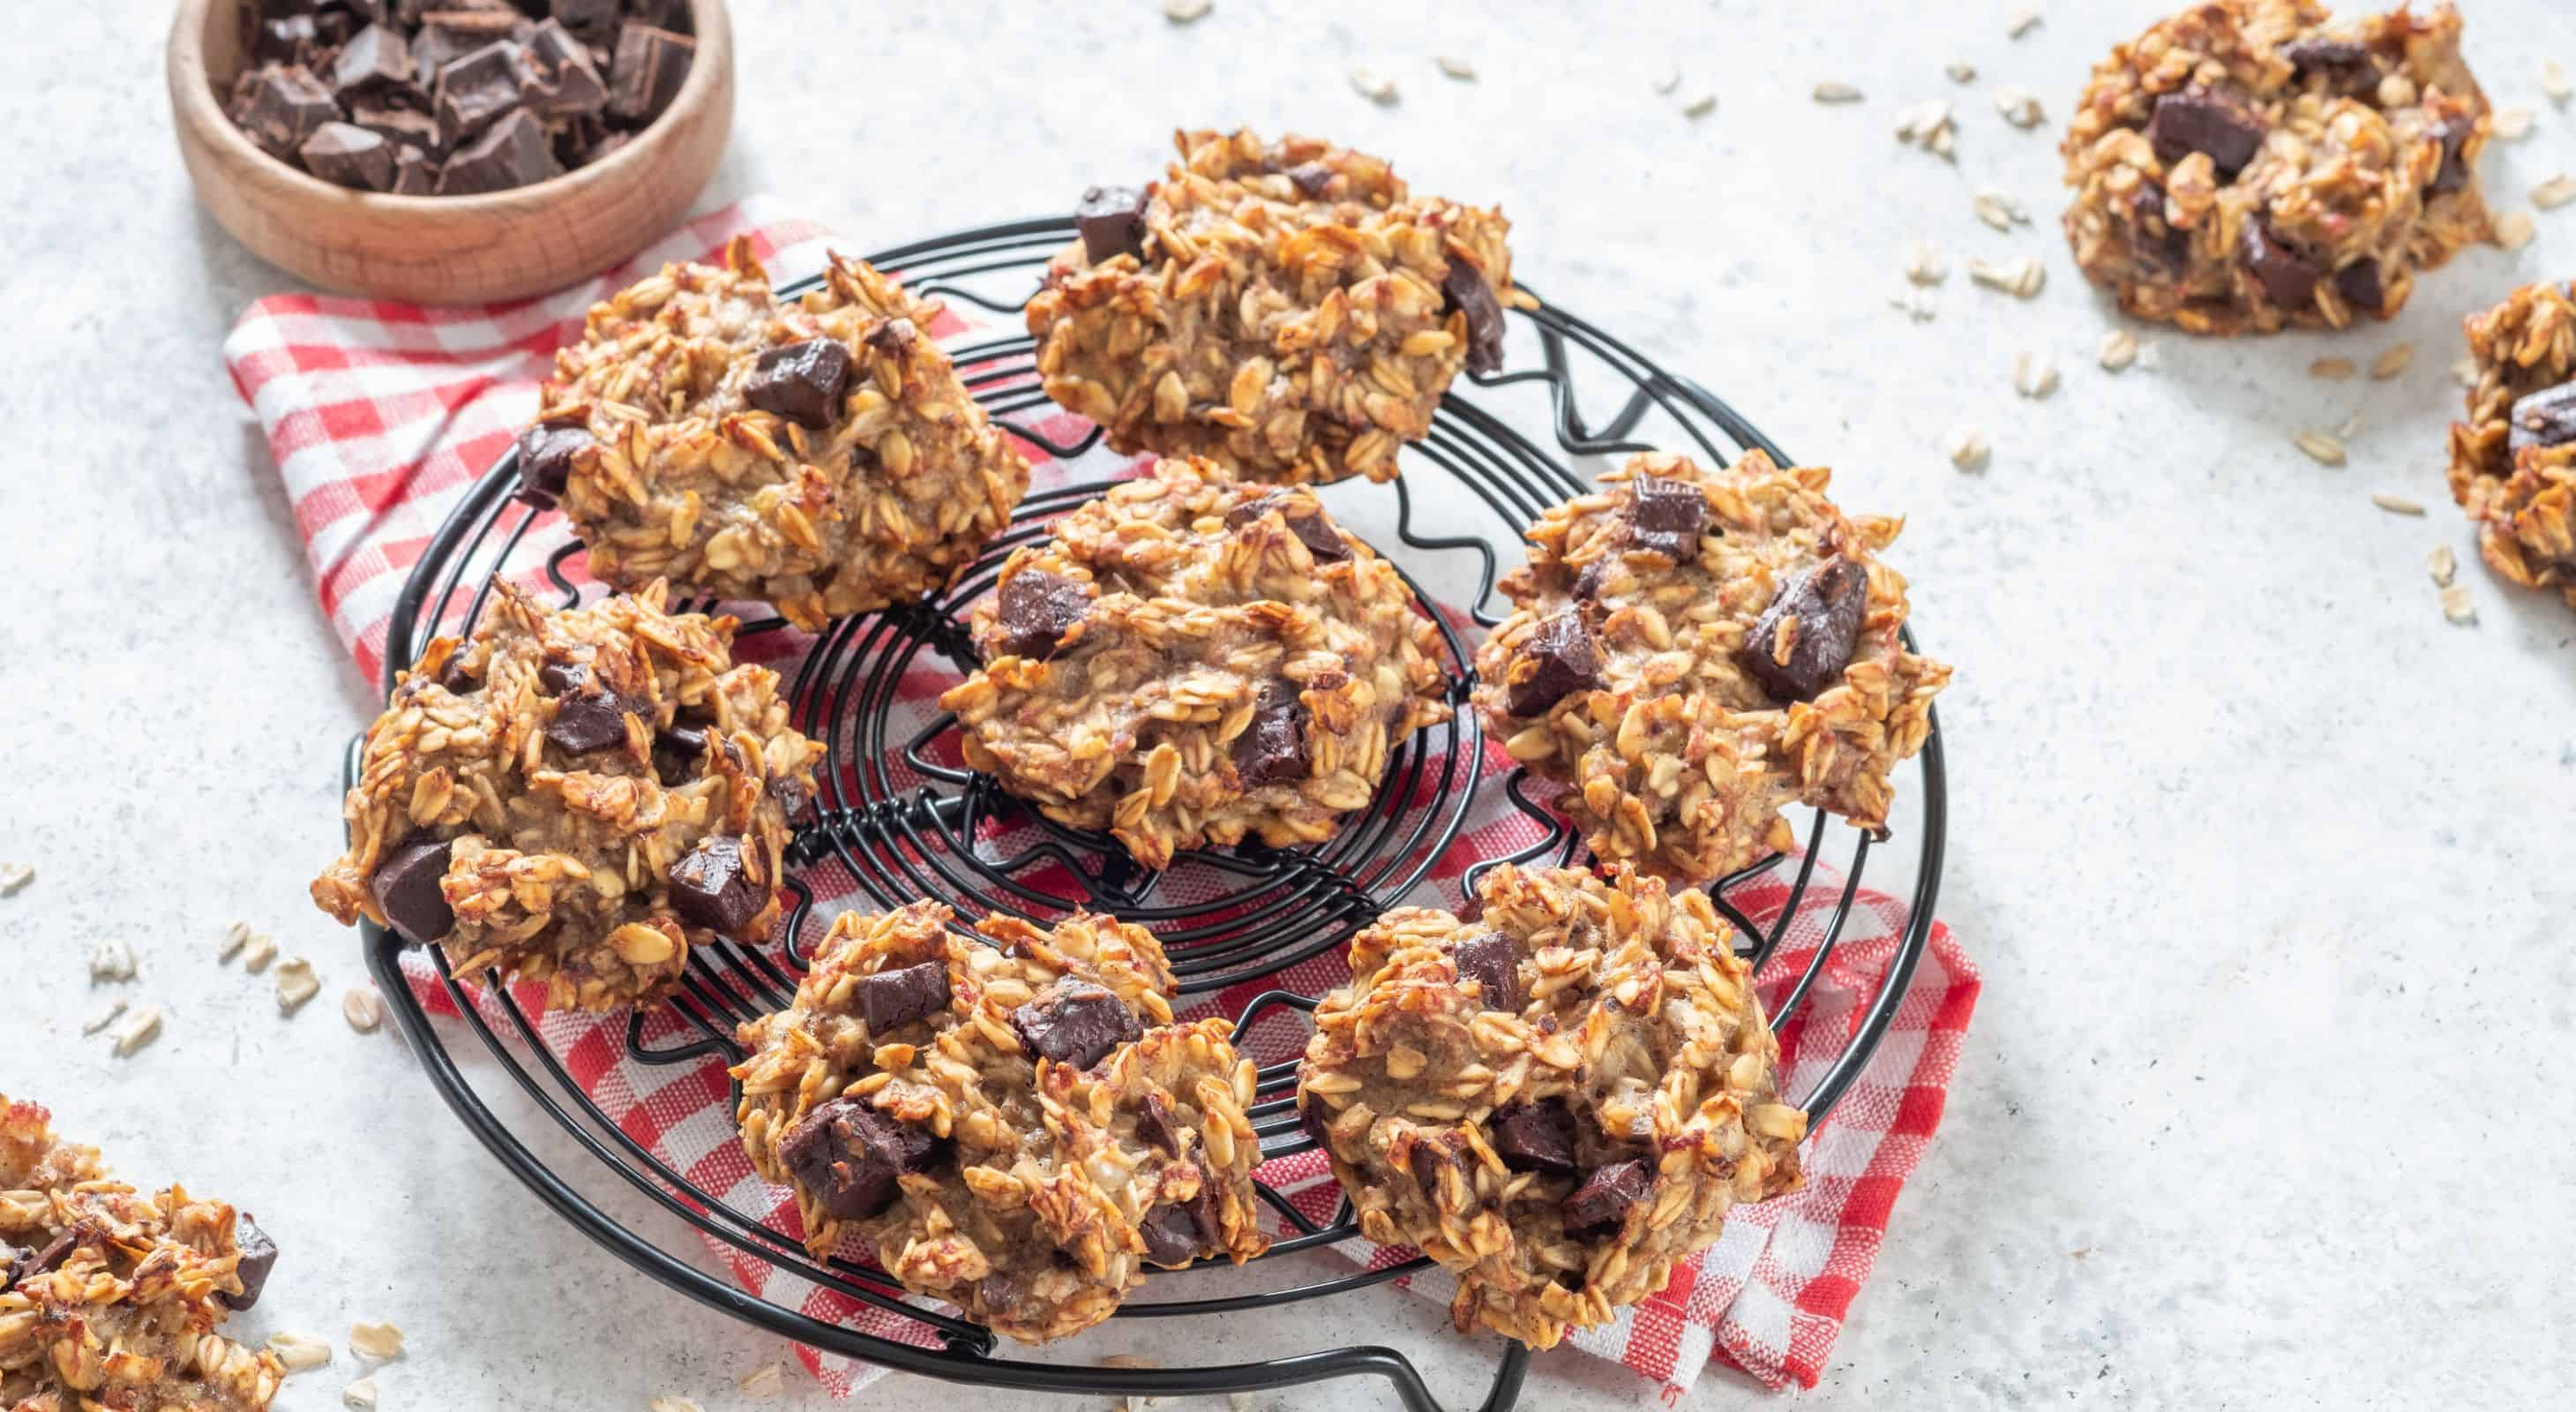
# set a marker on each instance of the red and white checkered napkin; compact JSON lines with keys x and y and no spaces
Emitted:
{"x":381,"y":415}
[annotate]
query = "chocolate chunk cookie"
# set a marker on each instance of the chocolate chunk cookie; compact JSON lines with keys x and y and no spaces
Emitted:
{"x":1191,"y":660}
{"x":1688,"y":670}
{"x":2513,"y":462}
{"x":818,"y":454}
{"x":1015,"y":1124}
{"x":1556,"y":1101}
{"x":575,"y":797}
{"x":109,"y":1296}
{"x":2252,"y":164}
{"x":1291,"y":310}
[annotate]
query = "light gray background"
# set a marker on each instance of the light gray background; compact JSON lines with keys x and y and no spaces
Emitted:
{"x":2264,"y":861}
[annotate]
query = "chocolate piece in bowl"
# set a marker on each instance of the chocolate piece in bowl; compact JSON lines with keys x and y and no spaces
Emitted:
{"x":568,"y":84}
{"x":514,"y":153}
{"x":650,"y":66}
{"x":348,"y":155}
{"x":375,"y":64}
{"x":281,"y":105}
{"x":476,"y":89}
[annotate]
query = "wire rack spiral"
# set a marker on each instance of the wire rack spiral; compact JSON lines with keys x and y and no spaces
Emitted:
{"x":902,"y":819}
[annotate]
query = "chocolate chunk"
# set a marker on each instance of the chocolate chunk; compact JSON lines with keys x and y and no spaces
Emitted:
{"x":892,"y":337}
{"x":1313,"y":529}
{"x":1605,"y":1197}
{"x":2544,"y":418}
{"x":2348,"y":68}
{"x":282,"y":40}
{"x":2202,"y":120}
{"x":2287,"y":276}
{"x":669,"y":14}
{"x":346,"y":154}
{"x":848,"y":1155}
{"x":998,"y":1292}
{"x":546,"y":454}
{"x":802,"y":382}
{"x":2158,"y":239}
{"x":1036,"y":610}
{"x":475,"y":89}
{"x":453,"y":675}
{"x":1493,"y":962}
{"x":1595,"y":578}
{"x":26,"y":1263}
{"x":1464,"y":288}
{"x":568,"y":85}
{"x":514,"y":153}
{"x":258,"y":1257}
{"x":1171,"y":1236}
{"x":889,"y":1000}
{"x":591,"y":19}
{"x":2360,"y":287}
{"x":1311,"y":179}
{"x":1312,"y":1119}
{"x":1075,"y":1022}
{"x":1111,"y":220}
{"x":281,"y":106}
{"x":1156,"y":1127}
{"x":712,"y":887}
{"x":414,"y":173}
{"x":677,"y":751}
{"x":402,"y":127}
{"x":792,"y":796}
{"x":2454,"y":171}
{"x":1273,"y":748}
{"x":10,"y":1255}
{"x":587,"y":718}
{"x":1821,"y":610}
{"x":375,"y":64}
{"x":647,"y":73}
{"x":451,"y":35}
{"x":1558,"y":659}
{"x":1536,"y":1137}
{"x":1668,"y":517}
{"x":406,"y":889}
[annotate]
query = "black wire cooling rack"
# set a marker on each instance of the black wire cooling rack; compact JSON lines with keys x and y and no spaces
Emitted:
{"x":902,"y":819}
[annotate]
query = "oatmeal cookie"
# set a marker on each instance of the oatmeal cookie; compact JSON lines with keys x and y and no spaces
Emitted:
{"x":1191,"y":659}
{"x":1290,"y":310}
{"x":109,"y":1296}
{"x":575,"y":797}
{"x":2513,"y":462}
{"x":817,"y":454}
{"x":1557,"y":1101}
{"x":1016,"y":1127}
{"x":1694,"y":650}
{"x":2248,"y":164}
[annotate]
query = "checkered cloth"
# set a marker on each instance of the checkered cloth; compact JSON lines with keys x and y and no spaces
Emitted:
{"x":381,"y":415}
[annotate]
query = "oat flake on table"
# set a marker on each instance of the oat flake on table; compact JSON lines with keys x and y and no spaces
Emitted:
{"x":2514,"y":230}
{"x":2321,"y":447}
{"x":14,"y":876}
{"x":138,"y":1028}
{"x":1835,"y":92}
{"x":299,"y":1351}
{"x":2332,"y":369}
{"x":110,"y":959}
{"x":359,"y":1396}
{"x":1967,"y":447}
{"x":2442,"y":564}
{"x":2119,"y":350}
{"x":375,"y":1339}
{"x":1455,"y":67}
{"x":2396,"y":504}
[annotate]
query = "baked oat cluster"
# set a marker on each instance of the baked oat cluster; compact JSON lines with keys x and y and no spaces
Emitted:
{"x":1015,"y":1124}
{"x":575,"y":796}
{"x":2513,"y":462}
{"x":1191,"y":660}
{"x":1556,"y":1101}
{"x":110,"y":1296}
{"x":818,"y":454}
{"x":1289,"y":309}
{"x":2251,"y":164}
{"x":1693,"y":650}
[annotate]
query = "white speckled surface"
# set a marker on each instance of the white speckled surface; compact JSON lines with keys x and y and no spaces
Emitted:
{"x":2265,"y":863}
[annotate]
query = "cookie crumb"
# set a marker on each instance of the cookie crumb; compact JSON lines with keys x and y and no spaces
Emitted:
{"x":2322,"y":447}
{"x":1923,"y":263}
{"x":1967,"y":447}
{"x":295,"y":985}
{"x":1456,"y":68}
{"x":14,"y":876}
{"x":2389,"y":364}
{"x":2331,"y":369}
{"x":360,"y":1395}
{"x":362,"y":1010}
{"x":763,"y":1382}
{"x":2019,"y":106}
{"x":1832,"y":91}
{"x":104,"y":1018}
{"x":1181,"y":12}
{"x":110,"y":959}
{"x":2555,"y":192}
{"x":2119,"y":350}
{"x":298,"y":1352}
{"x":2034,"y":376}
{"x":2396,"y":504}
{"x":1373,"y":86}
{"x":2022,"y":22}
{"x":2457,"y":605}
{"x":2514,"y":229}
{"x":2020,"y":277}
{"x":2442,"y":564}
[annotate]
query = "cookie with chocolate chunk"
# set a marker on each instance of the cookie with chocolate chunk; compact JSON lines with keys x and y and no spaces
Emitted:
{"x":2513,"y":461}
{"x":575,"y":796}
{"x":1013,"y":1121}
{"x":1556,"y":1101}
{"x":1192,"y":660}
{"x":1694,"y":650}
{"x":2249,"y":165}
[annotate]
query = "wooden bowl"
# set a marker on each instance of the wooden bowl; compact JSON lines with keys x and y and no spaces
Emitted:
{"x":445,"y":249}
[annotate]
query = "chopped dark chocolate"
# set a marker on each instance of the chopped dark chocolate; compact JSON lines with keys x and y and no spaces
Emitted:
{"x":650,"y":66}
{"x":889,"y":1000}
{"x":282,"y":105}
{"x":1818,"y":613}
{"x":1312,"y":1119}
{"x":2287,"y":276}
{"x":802,"y":382}
{"x":406,"y":889}
{"x":258,"y":1258}
{"x":712,"y":887}
{"x":2205,"y":120}
{"x":513,"y":153}
{"x":1558,"y":659}
{"x":892,"y":337}
{"x":1272,"y":749}
{"x":2158,"y":238}
{"x":2360,"y":286}
{"x":1075,"y":1022}
{"x":1536,"y":1137}
{"x":1465,"y":289}
{"x":2454,"y":171}
{"x":1036,"y":610}
{"x":374,"y":64}
{"x":2544,"y":418}
{"x":588,"y":718}
{"x":2347,"y":67}
{"x":403,"y":127}
{"x":1605,"y":1197}
{"x":476,"y":89}
{"x":567,"y":84}
{"x":1171,"y":1236}
{"x":1155,"y":1125}
{"x":1317,"y":532}
{"x":346,"y":154}
{"x":1667,"y":517}
{"x":42,"y":1260}
{"x":594,"y":20}
{"x":284,"y":39}
{"x":1111,"y":221}
{"x":1493,"y":962}
{"x":848,"y":1156}
{"x":545,"y":460}
{"x":1312,"y":179}
{"x":677,"y":751}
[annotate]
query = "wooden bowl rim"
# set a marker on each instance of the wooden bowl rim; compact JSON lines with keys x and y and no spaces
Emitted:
{"x":193,"y":88}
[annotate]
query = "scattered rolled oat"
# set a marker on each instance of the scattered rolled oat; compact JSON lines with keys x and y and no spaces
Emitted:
{"x":111,"y":960}
{"x":1701,"y":104}
{"x":1128,"y":1360}
{"x":235,"y":937}
{"x":295,"y":985}
{"x":2119,"y":350}
{"x":299,"y":1351}
{"x":2514,"y":124}
{"x":1915,"y":304}
{"x":1961,"y":73}
{"x":671,"y":1404}
{"x":1454,"y":67}
{"x":2019,"y":106}
{"x":362,"y":1010}
{"x":2034,"y":376}
{"x":1238,"y":1402}
{"x":2389,"y":364}
{"x":1999,"y":210}
{"x":1923,"y":262}
{"x":2555,"y":192}
{"x":2022,"y":22}
{"x":104,"y":1018}
{"x":765,"y":1381}
{"x":14,"y":876}
{"x":137,"y":1029}
{"x":1834,"y":92}
{"x":2020,"y":277}
{"x":360,"y":1395}
{"x":2396,"y":504}
{"x":2554,"y":82}
{"x":1373,"y":86}
{"x":1928,"y":125}
{"x":375,"y":1339}
{"x":2322,"y":447}
{"x":259,"y":951}
{"x":2514,"y":229}
{"x":2442,"y":564}
{"x":1181,"y":12}
{"x":1967,"y":447}
{"x":2331,"y":369}
{"x":2465,"y":372}
{"x":2457,"y":605}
